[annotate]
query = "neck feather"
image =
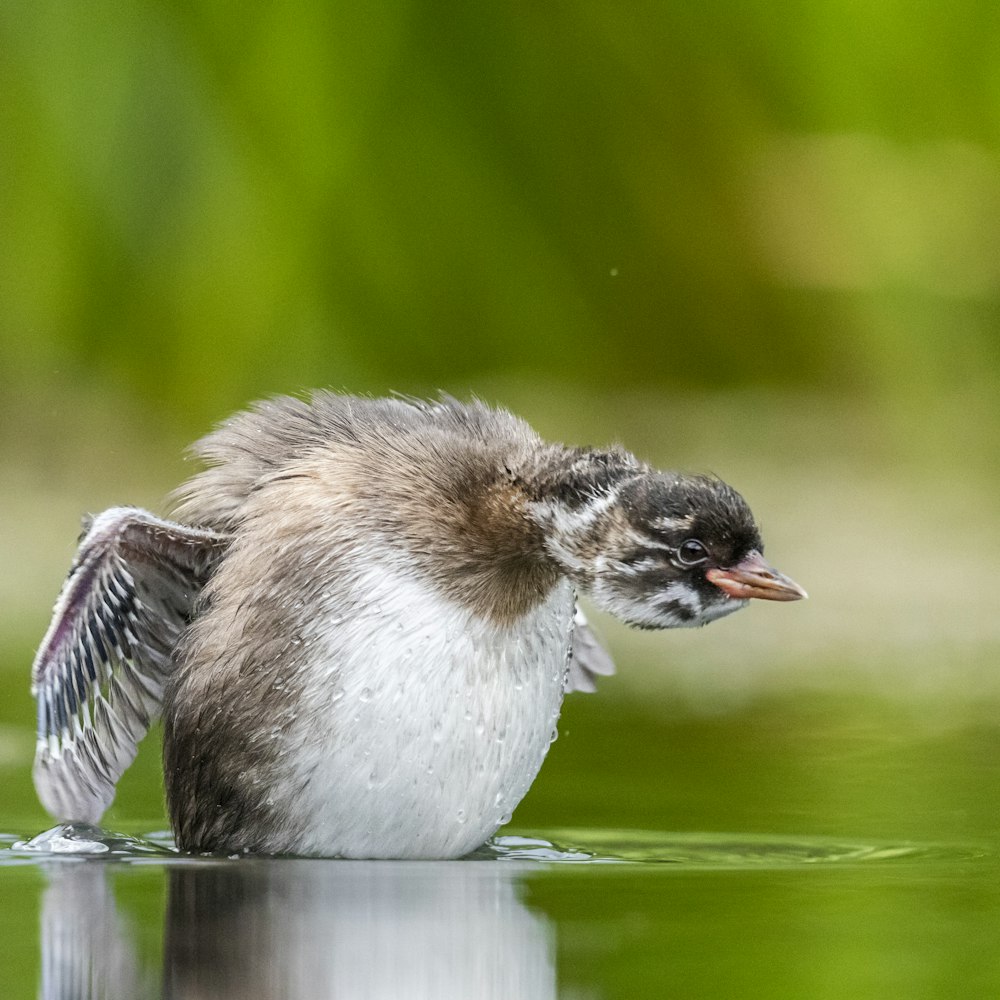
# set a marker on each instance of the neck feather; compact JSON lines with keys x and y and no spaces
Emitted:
{"x":576,"y":477}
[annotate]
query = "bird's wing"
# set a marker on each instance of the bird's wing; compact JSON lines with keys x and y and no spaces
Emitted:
{"x":588,"y":659}
{"x":99,"y":674}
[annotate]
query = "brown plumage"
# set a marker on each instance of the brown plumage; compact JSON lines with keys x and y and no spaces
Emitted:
{"x":370,"y":653}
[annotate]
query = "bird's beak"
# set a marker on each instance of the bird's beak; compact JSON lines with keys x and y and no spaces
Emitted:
{"x":752,"y":577}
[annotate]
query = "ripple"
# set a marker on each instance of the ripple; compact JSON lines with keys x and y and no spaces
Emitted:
{"x":82,"y":840}
{"x":709,"y":850}
{"x":678,"y":851}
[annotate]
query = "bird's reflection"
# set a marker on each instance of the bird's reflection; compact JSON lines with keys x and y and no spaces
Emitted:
{"x":361,"y":929}
{"x":275,"y":929}
{"x":88,"y":947}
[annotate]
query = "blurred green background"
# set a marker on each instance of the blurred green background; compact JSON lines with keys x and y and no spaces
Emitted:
{"x":752,"y":239}
{"x":756,"y":241}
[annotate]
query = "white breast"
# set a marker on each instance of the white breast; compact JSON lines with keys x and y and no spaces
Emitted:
{"x":422,"y":725}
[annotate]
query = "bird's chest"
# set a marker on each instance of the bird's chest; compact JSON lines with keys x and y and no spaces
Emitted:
{"x":428,"y":723}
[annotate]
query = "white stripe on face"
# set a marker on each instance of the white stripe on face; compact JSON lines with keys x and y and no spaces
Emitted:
{"x":672,"y":523}
{"x":565,"y":526}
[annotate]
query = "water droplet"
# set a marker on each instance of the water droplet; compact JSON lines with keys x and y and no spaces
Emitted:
{"x":430,"y":768}
{"x":480,"y":727}
{"x":499,"y":798}
{"x":336,"y":696}
{"x":372,"y":780}
{"x":437,"y":736}
{"x":553,"y":736}
{"x":366,"y":694}
{"x":505,"y":818}
{"x":460,"y":815}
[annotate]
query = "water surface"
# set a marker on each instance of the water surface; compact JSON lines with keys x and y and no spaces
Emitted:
{"x":805,"y":847}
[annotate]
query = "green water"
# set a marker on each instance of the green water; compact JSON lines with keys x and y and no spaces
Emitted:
{"x":806,"y":846}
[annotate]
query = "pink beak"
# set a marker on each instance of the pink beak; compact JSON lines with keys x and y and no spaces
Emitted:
{"x":752,"y":577}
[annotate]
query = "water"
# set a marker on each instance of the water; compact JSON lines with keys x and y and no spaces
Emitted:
{"x":801,"y":848}
{"x":81,"y":842}
{"x":531,"y":917}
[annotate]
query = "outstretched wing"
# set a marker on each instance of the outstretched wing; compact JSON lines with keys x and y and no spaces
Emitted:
{"x":99,"y":674}
{"x":589,"y":659}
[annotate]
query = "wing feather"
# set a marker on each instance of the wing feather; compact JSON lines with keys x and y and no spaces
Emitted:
{"x":100,"y":672}
{"x":589,"y":659}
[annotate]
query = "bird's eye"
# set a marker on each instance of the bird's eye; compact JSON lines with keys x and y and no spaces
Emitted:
{"x":692,"y":552}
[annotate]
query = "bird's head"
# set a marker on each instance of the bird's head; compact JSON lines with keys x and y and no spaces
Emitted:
{"x":660,"y":550}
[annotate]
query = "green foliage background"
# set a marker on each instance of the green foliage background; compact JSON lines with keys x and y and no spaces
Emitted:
{"x":202,"y":203}
{"x":753,"y":238}
{"x":756,"y":240}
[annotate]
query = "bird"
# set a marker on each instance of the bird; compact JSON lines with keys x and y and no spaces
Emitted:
{"x":360,"y":620}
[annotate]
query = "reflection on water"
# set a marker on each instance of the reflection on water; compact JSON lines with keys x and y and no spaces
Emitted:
{"x":266,"y":929}
{"x":88,"y":952}
{"x":292,"y":929}
{"x":269,"y":929}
